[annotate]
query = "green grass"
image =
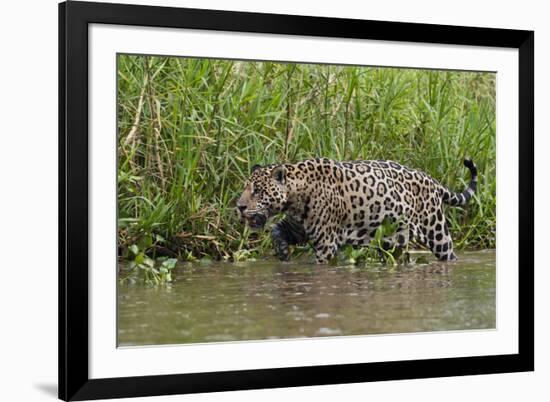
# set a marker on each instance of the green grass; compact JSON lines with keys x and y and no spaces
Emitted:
{"x":189,"y":131}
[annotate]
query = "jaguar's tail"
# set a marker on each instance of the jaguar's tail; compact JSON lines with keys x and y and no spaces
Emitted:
{"x":462,"y":198}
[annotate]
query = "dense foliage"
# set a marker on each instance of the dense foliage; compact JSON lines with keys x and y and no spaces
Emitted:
{"x":190,"y":129}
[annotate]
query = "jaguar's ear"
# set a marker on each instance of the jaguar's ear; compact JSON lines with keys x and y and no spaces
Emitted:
{"x":279,"y":174}
{"x":254,"y":168}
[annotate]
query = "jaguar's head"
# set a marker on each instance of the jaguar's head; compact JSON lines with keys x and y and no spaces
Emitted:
{"x":265,"y":194}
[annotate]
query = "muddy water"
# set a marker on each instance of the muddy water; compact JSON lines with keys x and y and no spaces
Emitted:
{"x":218,"y":302}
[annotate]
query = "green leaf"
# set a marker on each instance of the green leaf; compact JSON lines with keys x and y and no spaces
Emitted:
{"x":379,"y":234}
{"x":134,"y":249}
{"x":139,"y":259}
{"x":170,"y":263}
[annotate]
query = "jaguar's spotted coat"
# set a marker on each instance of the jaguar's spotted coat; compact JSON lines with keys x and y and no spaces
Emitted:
{"x":333,"y":203}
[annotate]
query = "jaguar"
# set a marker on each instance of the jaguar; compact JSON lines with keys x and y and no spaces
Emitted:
{"x":331,"y":203}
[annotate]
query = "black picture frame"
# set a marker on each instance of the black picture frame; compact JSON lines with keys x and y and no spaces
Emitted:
{"x":74,"y":18}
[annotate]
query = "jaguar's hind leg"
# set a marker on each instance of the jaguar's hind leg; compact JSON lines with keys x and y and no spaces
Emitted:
{"x":440,"y":242}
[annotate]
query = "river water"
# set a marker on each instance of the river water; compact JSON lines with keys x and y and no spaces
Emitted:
{"x":221,"y":301}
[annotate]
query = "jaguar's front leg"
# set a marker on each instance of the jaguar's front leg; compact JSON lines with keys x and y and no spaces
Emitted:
{"x":280,"y":242}
{"x":285,"y":233}
{"x":325,"y":249}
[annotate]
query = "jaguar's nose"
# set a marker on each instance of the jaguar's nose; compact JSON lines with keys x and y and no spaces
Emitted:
{"x":241,"y":208}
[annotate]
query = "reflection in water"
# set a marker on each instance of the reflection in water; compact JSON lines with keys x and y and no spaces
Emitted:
{"x":221,"y":301}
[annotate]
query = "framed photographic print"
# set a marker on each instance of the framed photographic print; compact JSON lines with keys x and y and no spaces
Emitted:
{"x":258,"y":200}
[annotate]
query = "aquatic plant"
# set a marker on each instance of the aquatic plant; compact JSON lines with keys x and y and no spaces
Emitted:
{"x":147,"y":270}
